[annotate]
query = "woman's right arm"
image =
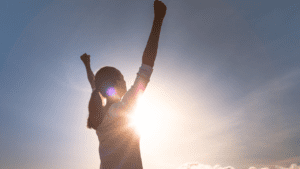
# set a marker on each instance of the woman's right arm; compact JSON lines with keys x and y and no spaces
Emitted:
{"x":152,"y":44}
{"x":149,"y":55}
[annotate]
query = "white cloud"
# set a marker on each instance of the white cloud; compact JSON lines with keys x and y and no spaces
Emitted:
{"x":203,"y":166}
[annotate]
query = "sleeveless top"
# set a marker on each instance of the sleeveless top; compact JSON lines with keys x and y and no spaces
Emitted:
{"x":119,"y":144}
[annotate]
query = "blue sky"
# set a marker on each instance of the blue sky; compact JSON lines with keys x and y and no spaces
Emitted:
{"x":225,"y":86}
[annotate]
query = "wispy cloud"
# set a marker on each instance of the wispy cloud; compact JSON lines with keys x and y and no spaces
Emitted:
{"x":260,"y":128}
{"x":268,"y":126}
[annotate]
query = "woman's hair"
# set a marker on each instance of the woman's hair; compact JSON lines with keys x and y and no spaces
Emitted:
{"x":108,"y":77}
{"x":95,"y":111}
{"x":109,"y":81}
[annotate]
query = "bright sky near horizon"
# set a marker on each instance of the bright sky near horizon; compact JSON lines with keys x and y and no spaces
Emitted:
{"x":225,"y":88}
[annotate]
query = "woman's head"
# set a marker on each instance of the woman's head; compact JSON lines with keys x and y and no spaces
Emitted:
{"x":110,"y":82}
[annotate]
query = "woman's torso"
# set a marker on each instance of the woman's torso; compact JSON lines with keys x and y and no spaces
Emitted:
{"x":119,"y":144}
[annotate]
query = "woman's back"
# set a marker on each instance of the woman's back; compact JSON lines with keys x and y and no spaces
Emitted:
{"x":119,"y":143}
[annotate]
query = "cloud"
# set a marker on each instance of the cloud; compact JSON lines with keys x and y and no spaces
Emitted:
{"x":259,"y":129}
{"x":203,"y":166}
{"x":293,"y":166}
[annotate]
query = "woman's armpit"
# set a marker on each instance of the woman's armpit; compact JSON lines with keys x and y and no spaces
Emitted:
{"x":134,"y":92}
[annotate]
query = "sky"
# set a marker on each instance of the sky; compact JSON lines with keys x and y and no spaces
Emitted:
{"x":225,"y":88}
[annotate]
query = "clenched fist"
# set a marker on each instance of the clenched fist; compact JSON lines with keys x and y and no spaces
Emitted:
{"x":85,"y":58}
{"x":159,"y":10}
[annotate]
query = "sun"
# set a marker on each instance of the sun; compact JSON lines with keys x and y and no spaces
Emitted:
{"x":143,"y":119}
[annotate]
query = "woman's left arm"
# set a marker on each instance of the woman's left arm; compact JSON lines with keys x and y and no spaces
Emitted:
{"x":86,"y":60}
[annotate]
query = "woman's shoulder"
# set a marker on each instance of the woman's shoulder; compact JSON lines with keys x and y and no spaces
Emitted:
{"x":115,"y":109}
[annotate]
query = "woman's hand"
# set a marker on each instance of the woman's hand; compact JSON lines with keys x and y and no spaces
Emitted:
{"x":159,"y":10}
{"x":85,"y":59}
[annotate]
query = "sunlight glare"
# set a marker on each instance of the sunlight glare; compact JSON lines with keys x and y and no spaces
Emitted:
{"x":144,"y":119}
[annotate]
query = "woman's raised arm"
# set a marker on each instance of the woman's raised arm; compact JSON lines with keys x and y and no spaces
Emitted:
{"x":152,"y":44}
{"x":143,"y":76}
{"x":86,"y":60}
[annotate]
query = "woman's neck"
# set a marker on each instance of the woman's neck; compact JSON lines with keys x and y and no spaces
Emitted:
{"x":112,"y":101}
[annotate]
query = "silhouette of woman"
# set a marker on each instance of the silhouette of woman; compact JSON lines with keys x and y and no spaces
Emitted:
{"x":119,"y":144}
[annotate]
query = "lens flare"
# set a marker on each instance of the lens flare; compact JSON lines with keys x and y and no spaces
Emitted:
{"x":111,"y":91}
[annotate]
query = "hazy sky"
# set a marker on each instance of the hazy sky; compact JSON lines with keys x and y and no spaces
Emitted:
{"x":225,"y":88}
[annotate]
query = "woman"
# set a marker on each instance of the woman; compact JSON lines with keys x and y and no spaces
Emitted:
{"x":119,"y":144}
